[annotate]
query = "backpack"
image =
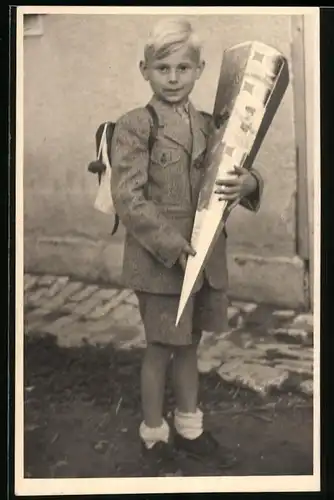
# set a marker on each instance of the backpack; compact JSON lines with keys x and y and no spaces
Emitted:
{"x":102,"y":166}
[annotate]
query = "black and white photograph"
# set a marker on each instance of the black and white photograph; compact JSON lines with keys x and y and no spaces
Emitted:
{"x":167,"y":156}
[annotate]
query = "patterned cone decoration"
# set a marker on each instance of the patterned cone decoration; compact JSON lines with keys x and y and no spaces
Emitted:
{"x":252,"y":82}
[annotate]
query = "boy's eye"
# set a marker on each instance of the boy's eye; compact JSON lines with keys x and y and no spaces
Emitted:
{"x":163,"y":69}
{"x":166,"y":69}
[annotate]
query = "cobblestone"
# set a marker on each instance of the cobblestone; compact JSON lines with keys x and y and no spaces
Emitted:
{"x":108,"y":293}
{"x":245,"y":307}
{"x":292,"y":334}
{"x":58,"y":300}
{"x":87,"y":305}
{"x":97,"y":300}
{"x":121,"y":297}
{"x":226,"y":350}
{"x":103,"y":325}
{"x":304,"y":321}
{"x":68,"y":307}
{"x":303,"y":367}
{"x":138,"y":341}
{"x":306,"y":387}
{"x":232,"y":312}
{"x":305,"y":353}
{"x":29,"y":281}
{"x":96,"y":338}
{"x":57,"y":286}
{"x":132,"y":299}
{"x":46,"y":280}
{"x":86,"y":292}
{"x":208,"y":365}
{"x":35,"y":297}
{"x":282,"y":350}
{"x":262,"y":348}
{"x":36,"y":313}
{"x":56,"y":327}
{"x":73,"y":333}
{"x":107,"y":300}
{"x":100,"y":311}
{"x":284,"y":314}
{"x":126,"y":315}
{"x":207,"y":339}
{"x":259,"y":378}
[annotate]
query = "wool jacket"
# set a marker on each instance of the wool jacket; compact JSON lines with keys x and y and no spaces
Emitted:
{"x":156,"y":197}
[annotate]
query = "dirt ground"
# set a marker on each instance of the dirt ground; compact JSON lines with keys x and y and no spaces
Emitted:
{"x":82,"y":411}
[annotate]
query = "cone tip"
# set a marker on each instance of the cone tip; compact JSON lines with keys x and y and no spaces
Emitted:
{"x":179,"y":314}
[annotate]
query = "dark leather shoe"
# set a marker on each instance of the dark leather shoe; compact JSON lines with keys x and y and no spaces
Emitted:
{"x":205,"y":448}
{"x":160,"y":458}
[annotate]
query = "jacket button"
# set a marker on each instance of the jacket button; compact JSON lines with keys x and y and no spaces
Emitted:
{"x":198,"y":163}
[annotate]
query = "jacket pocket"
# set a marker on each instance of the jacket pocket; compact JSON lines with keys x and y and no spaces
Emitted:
{"x":165,"y":157}
{"x":169,"y":180}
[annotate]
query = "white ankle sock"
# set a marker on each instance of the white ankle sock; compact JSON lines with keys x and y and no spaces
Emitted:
{"x":189,"y":425}
{"x":151,"y":435}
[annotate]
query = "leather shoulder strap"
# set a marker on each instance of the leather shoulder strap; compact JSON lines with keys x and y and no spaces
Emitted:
{"x":155,"y":127}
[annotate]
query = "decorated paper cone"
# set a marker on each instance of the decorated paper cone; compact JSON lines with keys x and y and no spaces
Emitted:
{"x":252,"y":82}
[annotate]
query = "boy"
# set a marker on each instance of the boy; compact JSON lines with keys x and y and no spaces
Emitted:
{"x":156,"y":196}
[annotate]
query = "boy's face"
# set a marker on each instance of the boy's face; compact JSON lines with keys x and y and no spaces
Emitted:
{"x":173,"y":77}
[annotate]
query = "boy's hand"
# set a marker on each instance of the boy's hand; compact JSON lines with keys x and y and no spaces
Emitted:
{"x":187,"y":250}
{"x":236,"y":187}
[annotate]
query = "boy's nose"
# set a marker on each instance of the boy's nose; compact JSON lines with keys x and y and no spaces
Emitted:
{"x":172,"y":75}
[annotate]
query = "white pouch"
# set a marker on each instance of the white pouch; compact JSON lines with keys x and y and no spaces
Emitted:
{"x":103,"y":201}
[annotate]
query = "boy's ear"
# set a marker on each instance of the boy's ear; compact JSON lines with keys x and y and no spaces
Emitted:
{"x":143,"y":69}
{"x":200,"y":69}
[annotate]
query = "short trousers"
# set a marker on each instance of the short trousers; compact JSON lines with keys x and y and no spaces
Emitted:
{"x":206,"y":311}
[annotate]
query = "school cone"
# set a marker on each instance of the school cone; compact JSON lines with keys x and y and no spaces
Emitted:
{"x":213,"y":224}
{"x":252,"y":82}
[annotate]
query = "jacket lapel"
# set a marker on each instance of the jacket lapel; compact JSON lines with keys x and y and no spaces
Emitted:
{"x":178,"y":130}
{"x":200,"y":131}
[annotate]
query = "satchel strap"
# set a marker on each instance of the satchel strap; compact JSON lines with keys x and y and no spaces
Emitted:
{"x":154,"y":128}
{"x":102,"y":141}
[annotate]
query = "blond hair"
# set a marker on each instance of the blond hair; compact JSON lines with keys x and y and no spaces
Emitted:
{"x":169,"y":36}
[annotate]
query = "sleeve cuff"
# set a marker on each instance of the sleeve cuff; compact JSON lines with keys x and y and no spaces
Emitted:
{"x":168,"y":257}
{"x":253,"y":201}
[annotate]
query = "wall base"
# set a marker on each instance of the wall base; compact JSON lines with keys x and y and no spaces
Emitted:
{"x":276,"y":280}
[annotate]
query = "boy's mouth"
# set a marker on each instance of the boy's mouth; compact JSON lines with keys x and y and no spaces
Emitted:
{"x":173,"y":90}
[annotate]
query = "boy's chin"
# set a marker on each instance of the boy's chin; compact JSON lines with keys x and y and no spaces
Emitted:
{"x":174,"y":99}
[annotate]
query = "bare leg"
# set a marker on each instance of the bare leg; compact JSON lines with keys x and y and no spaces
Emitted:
{"x":153,"y":376}
{"x":186,"y":378}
